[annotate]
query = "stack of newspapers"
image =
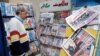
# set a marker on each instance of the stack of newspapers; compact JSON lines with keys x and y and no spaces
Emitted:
{"x":86,"y":25}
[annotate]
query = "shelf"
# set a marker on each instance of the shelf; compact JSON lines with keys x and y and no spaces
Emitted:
{"x":46,"y":24}
{"x":50,"y":46}
{"x":29,"y":29}
{"x":30,"y":16}
{"x":7,"y":16}
{"x":13,"y":16}
{"x":33,"y":41}
{"x":52,"y":36}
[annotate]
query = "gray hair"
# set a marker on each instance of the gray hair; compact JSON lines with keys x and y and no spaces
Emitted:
{"x":20,"y":9}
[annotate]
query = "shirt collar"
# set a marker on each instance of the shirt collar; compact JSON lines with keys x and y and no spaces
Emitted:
{"x":19,"y":18}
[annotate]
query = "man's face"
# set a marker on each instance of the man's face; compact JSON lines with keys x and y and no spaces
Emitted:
{"x":23,"y":14}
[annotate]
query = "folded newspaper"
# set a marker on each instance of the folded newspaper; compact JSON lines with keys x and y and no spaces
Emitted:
{"x":81,"y":17}
{"x":78,"y":43}
{"x":97,"y":49}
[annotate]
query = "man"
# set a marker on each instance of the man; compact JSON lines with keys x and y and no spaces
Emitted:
{"x":18,"y":40}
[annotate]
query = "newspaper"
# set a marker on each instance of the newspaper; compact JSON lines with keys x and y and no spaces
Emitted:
{"x":97,"y":45}
{"x":81,"y":18}
{"x":95,"y":21}
{"x":96,"y":8}
{"x":78,"y":43}
{"x":95,"y":27}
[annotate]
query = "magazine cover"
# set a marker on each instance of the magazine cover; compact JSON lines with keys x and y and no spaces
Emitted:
{"x":78,"y":43}
{"x":61,"y":30}
{"x":80,"y":18}
{"x":54,"y":29}
{"x":46,"y":17}
{"x":46,"y":31}
{"x":49,"y":51}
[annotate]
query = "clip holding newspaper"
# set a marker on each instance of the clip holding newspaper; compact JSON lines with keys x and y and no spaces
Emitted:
{"x":78,"y":43}
{"x":80,"y":18}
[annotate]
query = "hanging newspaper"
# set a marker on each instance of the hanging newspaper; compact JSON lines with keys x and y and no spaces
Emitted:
{"x":81,"y":18}
{"x":77,"y":44}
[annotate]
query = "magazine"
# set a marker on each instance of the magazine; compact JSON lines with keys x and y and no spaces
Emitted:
{"x":51,"y":41}
{"x":49,"y":51}
{"x":61,"y":30}
{"x":46,"y":18}
{"x":78,"y":43}
{"x":81,"y":18}
{"x":54,"y":29}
